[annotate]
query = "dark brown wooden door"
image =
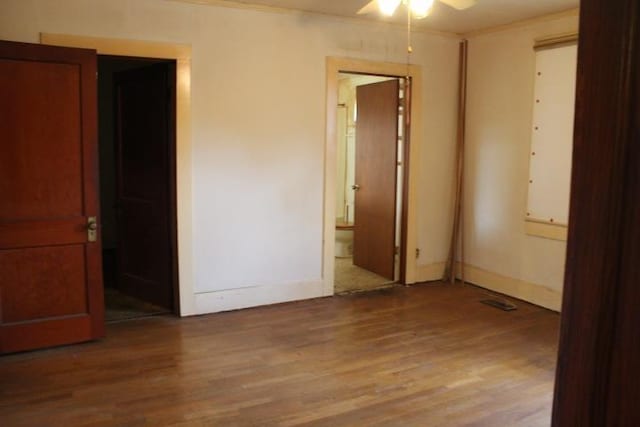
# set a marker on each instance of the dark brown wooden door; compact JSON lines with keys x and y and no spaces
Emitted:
{"x":599,"y":354}
{"x":50,"y":275}
{"x":143,"y":132}
{"x":375,"y":177}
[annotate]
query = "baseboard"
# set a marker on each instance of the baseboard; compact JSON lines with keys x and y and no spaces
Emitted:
{"x":253,"y":296}
{"x":429,"y":273}
{"x":234,"y":299}
{"x":530,"y":292}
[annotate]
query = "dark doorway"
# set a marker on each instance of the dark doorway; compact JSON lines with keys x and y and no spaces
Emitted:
{"x":136,"y":111}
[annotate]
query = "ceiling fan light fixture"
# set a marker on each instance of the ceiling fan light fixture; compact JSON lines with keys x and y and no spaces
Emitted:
{"x":420,"y":8}
{"x":387,"y":7}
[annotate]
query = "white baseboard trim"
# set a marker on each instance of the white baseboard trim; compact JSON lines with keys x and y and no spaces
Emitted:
{"x":530,"y":292}
{"x":430,"y":273}
{"x":235,"y":299}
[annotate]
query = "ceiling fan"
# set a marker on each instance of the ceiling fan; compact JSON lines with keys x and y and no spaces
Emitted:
{"x":419,"y":8}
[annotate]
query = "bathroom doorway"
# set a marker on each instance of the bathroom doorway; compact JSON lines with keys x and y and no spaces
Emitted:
{"x":369,"y":179}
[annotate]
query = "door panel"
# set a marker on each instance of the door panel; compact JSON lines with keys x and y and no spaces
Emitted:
{"x":144,"y":131}
{"x":50,"y":278}
{"x":376,"y":165}
{"x":33,"y":183}
{"x":55,"y":288}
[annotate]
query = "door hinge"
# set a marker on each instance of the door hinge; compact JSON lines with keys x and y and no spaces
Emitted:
{"x":396,"y":250}
{"x":417,"y":253}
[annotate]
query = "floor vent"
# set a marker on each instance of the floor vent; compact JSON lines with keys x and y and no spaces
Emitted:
{"x":502,"y":305}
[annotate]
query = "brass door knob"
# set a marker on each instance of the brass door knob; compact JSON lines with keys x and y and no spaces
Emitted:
{"x":92,"y":229}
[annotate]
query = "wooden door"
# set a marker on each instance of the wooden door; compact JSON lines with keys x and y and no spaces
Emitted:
{"x":144,"y":134}
{"x":599,"y":353}
{"x":50,"y":274}
{"x":375,"y":177}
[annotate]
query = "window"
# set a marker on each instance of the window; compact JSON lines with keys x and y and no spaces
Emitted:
{"x":552,"y":139}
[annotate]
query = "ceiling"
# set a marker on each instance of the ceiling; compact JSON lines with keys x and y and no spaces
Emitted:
{"x":485,"y":14}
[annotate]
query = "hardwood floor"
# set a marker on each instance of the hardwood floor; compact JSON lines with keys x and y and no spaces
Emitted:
{"x":426,"y":355}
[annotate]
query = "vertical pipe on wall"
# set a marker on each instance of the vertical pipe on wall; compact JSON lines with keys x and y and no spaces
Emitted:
{"x":457,"y":234}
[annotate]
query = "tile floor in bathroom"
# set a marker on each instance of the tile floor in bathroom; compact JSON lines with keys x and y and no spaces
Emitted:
{"x":351,"y":278}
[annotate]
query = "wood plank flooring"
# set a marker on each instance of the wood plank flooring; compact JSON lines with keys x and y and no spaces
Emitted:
{"x":426,"y":355}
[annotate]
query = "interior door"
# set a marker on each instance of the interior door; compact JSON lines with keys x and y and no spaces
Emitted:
{"x":143,"y":132}
{"x":375,"y":177}
{"x":50,"y":273}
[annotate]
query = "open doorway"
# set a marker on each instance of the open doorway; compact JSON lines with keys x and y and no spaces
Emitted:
{"x":369,"y":179}
{"x":136,"y":111}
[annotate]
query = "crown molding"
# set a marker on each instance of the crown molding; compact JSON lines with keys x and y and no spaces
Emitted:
{"x":402,"y":27}
{"x":557,"y":40}
{"x":285,"y":11}
{"x":523,"y":23}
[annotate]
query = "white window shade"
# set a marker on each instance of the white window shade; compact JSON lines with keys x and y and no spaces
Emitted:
{"x":552,"y":135}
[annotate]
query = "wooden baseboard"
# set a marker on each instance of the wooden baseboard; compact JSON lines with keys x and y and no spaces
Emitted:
{"x":530,"y":292}
{"x":429,"y":273}
{"x":516,"y":288}
{"x":253,"y":296}
{"x":211,"y":302}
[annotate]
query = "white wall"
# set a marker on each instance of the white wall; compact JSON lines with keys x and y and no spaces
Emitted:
{"x":258,"y":131}
{"x":500,"y":98}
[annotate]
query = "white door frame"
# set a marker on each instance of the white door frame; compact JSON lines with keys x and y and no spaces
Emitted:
{"x":334,"y":67}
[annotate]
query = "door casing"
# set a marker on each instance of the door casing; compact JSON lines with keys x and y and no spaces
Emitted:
{"x":182,"y":54}
{"x":409,"y":200}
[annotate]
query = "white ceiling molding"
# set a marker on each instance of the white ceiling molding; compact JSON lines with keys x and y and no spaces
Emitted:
{"x":401,"y":26}
{"x":524,"y":23}
{"x":486,"y":15}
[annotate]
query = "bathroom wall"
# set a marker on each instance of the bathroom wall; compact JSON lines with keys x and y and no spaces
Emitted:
{"x":345,"y":149}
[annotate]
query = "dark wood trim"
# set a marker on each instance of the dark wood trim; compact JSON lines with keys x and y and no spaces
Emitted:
{"x":404,"y":220}
{"x":59,"y":331}
{"x":173,"y":192}
{"x":34,"y":52}
{"x":599,"y":356}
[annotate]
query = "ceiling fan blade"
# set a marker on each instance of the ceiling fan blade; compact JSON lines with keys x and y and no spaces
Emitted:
{"x":371,"y":7}
{"x":459,"y":4}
